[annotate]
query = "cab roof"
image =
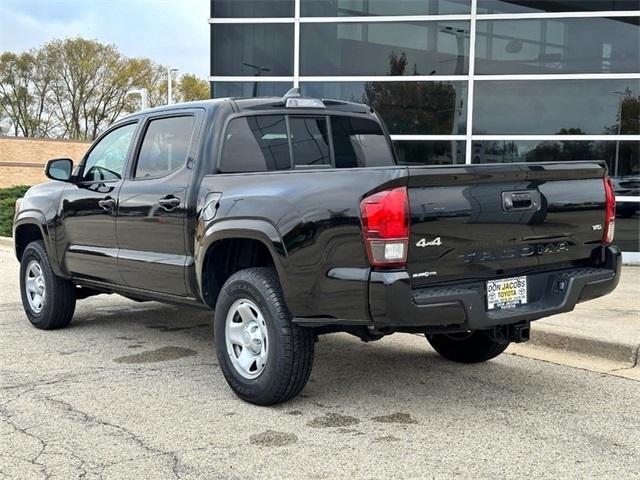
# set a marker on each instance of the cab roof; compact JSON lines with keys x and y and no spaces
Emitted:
{"x":259,"y":104}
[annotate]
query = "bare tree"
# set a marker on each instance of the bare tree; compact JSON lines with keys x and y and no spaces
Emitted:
{"x":24,"y":94}
{"x":90,"y":84}
{"x":75,"y":88}
{"x":153,"y":77}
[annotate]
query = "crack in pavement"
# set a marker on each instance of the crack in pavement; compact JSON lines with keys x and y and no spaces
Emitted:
{"x":74,"y":413}
{"x":85,"y":417}
{"x":6,"y":417}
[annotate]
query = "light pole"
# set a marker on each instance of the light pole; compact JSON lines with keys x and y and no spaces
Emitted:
{"x":461,"y":35}
{"x":617,"y":157}
{"x":170,"y":84}
{"x":258,"y":71}
{"x":144,"y":96}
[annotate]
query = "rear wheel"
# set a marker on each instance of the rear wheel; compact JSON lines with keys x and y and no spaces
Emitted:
{"x":265,"y":358}
{"x":467,"y":347}
{"x":48,"y":300}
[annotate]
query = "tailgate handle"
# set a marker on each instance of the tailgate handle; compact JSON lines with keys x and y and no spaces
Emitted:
{"x":521,"y":201}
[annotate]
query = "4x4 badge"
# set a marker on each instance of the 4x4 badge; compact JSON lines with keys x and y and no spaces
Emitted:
{"x":436,"y":242}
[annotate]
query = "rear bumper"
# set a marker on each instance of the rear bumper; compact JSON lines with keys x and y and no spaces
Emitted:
{"x":394,"y":304}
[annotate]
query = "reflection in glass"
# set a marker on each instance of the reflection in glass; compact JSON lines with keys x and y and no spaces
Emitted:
{"x":252,"y":49}
{"x":555,"y":45}
{"x":255,"y":144}
{"x":622,"y":158}
{"x":406,"y":107}
{"x":384,"y":48}
{"x":627,"y":228}
{"x":427,"y":152}
{"x":359,"y":142}
{"x":60,"y":169}
{"x":571,"y":107}
{"x":533,"y":6}
{"x":350,"y":8}
{"x":251,"y":8}
{"x":249,"y":89}
{"x":309,"y":140}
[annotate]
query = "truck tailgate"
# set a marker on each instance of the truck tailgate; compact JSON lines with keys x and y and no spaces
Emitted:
{"x":488,"y":221}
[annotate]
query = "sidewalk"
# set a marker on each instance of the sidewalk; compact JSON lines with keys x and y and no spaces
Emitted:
{"x":6,"y":243}
{"x":606,"y":330}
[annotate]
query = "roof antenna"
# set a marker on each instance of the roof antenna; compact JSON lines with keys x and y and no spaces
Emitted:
{"x":294,"y":92}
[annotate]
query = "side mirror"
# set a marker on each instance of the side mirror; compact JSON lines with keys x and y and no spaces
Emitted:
{"x":59,"y":169}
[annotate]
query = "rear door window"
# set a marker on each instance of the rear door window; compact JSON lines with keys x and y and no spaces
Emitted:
{"x":165,"y":146}
{"x":256,"y":144}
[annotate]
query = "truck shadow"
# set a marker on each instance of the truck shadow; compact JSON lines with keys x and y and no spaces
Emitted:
{"x":401,"y":369}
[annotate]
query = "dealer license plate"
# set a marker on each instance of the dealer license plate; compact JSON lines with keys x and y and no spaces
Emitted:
{"x":506,"y":293}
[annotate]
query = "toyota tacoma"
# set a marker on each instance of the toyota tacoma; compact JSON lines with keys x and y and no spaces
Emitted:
{"x":291,"y":218}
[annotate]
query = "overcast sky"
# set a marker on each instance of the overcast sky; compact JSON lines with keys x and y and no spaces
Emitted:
{"x":174,"y":32}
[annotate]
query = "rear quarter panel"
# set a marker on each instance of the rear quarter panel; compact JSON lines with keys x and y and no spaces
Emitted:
{"x":316,"y":213}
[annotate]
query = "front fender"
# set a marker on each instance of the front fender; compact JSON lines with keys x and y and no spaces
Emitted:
{"x":39,"y":207}
{"x":38,"y":219}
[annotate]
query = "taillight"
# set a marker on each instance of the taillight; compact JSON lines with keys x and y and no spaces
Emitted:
{"x":385,"y":225}
{"x":610,"y":215}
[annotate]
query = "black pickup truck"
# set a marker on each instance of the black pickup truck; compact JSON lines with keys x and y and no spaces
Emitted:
{"x":291,"y":218}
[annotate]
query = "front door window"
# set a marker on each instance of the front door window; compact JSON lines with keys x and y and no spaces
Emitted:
{"x":106,"y":160}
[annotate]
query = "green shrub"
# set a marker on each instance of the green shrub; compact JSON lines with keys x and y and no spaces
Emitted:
{"x":8,"y":197}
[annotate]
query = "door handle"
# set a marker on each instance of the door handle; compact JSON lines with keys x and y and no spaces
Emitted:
{"x":521,"y":201}
{"x":169,"y":203}
{"x":107,"y":203}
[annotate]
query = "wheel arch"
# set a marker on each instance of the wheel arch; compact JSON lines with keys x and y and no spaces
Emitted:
{"x":230,"y":246}
{"x":31,"y":226}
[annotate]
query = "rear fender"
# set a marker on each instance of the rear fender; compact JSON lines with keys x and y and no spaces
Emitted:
{"x":253,"y":229}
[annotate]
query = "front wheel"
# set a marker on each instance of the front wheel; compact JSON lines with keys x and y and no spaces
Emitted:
{"x":264,"y":357}
{"x":467,"y":347}
{"x":48,"y":300}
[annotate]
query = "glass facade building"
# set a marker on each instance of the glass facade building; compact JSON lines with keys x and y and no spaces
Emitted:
{"x":457,"y":81}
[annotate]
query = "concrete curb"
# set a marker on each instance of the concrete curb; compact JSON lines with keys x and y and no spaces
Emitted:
{"x":6,"y":243}
{"x":552,"y":338}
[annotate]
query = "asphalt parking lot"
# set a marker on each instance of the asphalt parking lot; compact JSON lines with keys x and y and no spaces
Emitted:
{"x":133,"y":391}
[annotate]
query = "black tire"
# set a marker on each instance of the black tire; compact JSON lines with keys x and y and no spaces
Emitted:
{"x":473,"y":347}
{"x":289,"y":357}
{"x":59,"y":299}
